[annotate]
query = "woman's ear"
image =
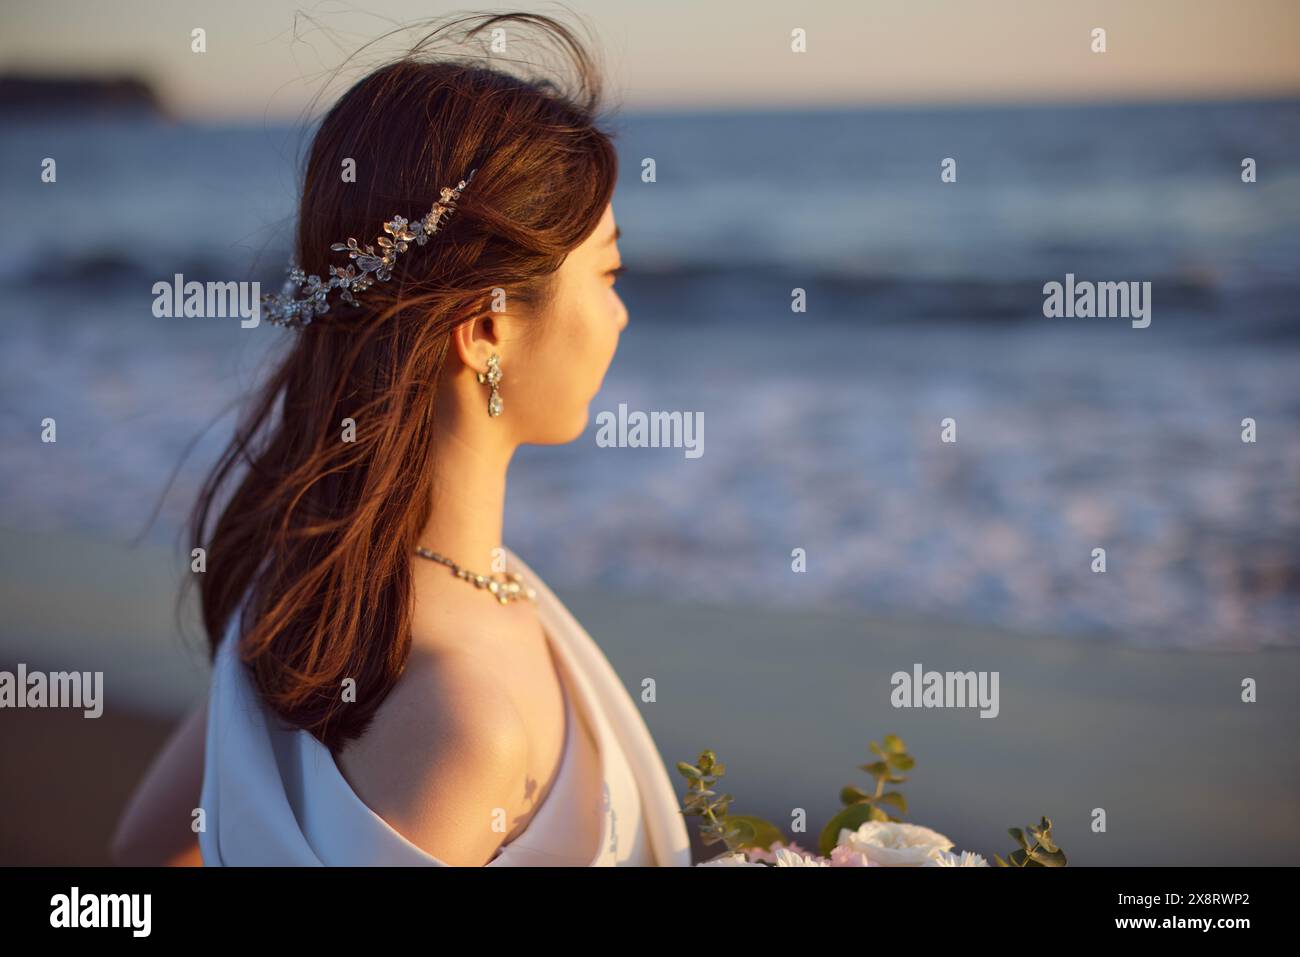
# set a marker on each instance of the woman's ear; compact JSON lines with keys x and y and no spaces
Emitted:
{"x":474,"y":340}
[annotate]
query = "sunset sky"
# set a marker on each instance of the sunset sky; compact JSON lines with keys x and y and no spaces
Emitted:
{"x":684,"y":54}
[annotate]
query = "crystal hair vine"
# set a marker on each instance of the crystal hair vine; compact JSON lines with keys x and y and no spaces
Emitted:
{"x":286,"y":309}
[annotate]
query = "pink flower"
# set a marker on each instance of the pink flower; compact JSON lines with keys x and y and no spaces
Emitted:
{"x":845,"y":856}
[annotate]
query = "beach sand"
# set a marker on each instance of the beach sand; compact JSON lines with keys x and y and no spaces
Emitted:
{"x":1186,"y":772}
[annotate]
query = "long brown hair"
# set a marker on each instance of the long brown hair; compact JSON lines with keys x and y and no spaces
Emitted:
{"x":318,"y":532}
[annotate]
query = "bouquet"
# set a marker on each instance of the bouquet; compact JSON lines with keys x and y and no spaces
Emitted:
{"x":865,"y":833}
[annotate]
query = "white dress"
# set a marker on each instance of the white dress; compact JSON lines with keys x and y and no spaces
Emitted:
{"x":273,"y":795}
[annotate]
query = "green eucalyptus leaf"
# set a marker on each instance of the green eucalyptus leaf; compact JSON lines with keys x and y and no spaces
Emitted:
{"x":1044,"y":834}
{"x":901,"y":762}
{"x":894,"y":743}
{"x":894,"y":798}
{"x":1045,"y":841}
{"x":754,"y":831}
{"x":852,"y":795}
{"x":1018,"y":835}
{"x":1047,"y":858}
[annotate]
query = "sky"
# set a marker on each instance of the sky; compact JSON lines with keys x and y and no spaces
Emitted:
{"x":269,"y":58}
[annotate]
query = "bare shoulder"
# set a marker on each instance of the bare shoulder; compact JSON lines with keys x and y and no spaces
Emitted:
{"x":445,"y":757}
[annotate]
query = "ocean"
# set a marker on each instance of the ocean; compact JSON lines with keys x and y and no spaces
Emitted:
{"x":822,"y":428}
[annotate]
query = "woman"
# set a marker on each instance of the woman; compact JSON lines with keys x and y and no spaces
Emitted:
{"x":391,"y":685}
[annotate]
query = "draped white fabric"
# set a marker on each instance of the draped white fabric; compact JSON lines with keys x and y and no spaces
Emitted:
{"x":273,"y":795}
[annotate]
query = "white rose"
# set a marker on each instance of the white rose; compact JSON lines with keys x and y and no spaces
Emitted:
{"x":788,"y":858}
{"x":730,"y":860}
{"x":890,"y":844}
{"x":949,"y":859}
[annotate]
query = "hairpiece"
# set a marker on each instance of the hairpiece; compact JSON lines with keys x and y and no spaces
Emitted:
{"x":285,"y":309}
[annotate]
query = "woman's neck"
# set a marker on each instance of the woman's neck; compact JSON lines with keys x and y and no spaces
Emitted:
{"x":468,"y":500}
